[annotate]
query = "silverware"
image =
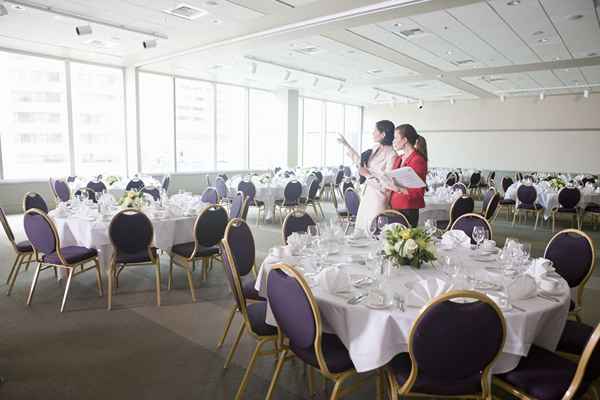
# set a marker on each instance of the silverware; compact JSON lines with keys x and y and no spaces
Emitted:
{"x":357,"y":299}
{"x":366,"y":281}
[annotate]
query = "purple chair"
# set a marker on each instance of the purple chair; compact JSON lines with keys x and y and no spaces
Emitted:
{"x":221,"y":188}
{"x":460,"y":186}
{"x":237,"y":206}
{"x":89,"y":192}
{"x":209,"y":229}
{"x":508,"y":204}
{"x":313,"y":200}
{"x":166,"y":182}
{"x":451,"y":348}
{"x":291,"y":198}
{"x":296,"y":222}
{"x":573,"y":254}
{"x":210,"y":196}
{"x":249,"y":190}
{"x":461,"y":206}
{"x":346,"y":185}
{"x":34,"y":200}
{"x":48,"y":253}
{"x":298,"y":319}
{"x":152,"y":191}
{"x":467,"y":222}
{"x":131,"y":234}
{"x":491,"y":199}
{"x":527,"y":203}
{"x":475,"y":184}
{"x":593,"y":210}
{"x":238,"y":258}
{"x":97,"y":186}
{"x":341,"y":212}
{"x":388,"y":217}
{"x":135,"y":184}
{"x":62,"y":190}
{"x":71,"y":179}
{"x":568,"y":201}
{"x":352,"y":203}
{"x":545,"y":375}
{"x":23,"y":251}
{"x":451,"y":179}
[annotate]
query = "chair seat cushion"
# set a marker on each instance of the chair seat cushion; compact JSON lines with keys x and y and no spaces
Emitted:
{"x":507,"y":202}
{"x":543,"y":375}
{"x":71,"y":254}
{"x":186,"y":250}
{"x":134,"y":258}
{"x":574,"y":337}
{"x":250,"y":293}
{"x":593,"y":208}
{"x":24,"y":246}
{"x":283,"y":203}
{"x":401,"y":366}
{"x":567,"y":210}
{"x":335,"y":353}
{"x":524,"y":206}
{"x":257,"y":313}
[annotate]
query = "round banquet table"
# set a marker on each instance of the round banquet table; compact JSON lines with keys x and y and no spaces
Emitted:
{"x":374,"y":337}
{"x":435,"y":208}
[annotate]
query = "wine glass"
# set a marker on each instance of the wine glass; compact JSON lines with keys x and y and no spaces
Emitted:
{"x":430,"y":227}
{"x":478,"y":235}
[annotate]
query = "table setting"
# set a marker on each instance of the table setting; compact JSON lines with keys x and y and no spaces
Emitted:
{"x":370,"y":288}
{"x":438,"y":203}
{"x":115,"y":185}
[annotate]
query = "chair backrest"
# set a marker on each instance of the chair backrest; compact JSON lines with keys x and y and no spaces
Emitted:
{"x":492,"y":206}
{"x":210,"y":225}
{"x":223,"y":176}
{"x":221,"y":187}
{"x":475,"y":179}
{"x":451,"y":179}
{"x":233,"y":277}
{"x":90,"y":193}
{"x":582,"y":373}
{"x":210,"y":196}
{"x":453,"y":341}
{"x":41,"y":232}
{"x":7,"y":229}
{"x":467,"y":222}
{"x":518,"y":176}
{"x":319,"y":176}
{"x":62,"y":190}
{"x":71,"y":178}
{"x":237,"y":206}
{"x":152,"y":191}
{"x":135,"y":184}
{"x":347,"y":185}
{"x":527,"y":194}
{"x":97,"y":187}
{"x":249,"y":190}
{"x":347,"y":172}
{"x":295,"y":311}
{"x":295,"y":221}
{"x":239,"y":242}
{"x":506,"y":182}
{"x":492,"y":175}
{"x":352,"y":202}
{"x":339,"y":177}
{"x":34,"y":200}
{"x":166,"y":182}
{"x":388,"y":217}
{"x":573,"y":254}
{"x":461,"y":206}
{"x":568,"y":197}
{"x":460,"y":186}
{"x":131,"y":232}
{"x":292,"y":192}
{"x":313,"y":189}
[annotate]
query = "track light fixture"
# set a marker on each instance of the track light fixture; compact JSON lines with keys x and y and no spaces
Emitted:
{"x":82,"y":30}
{"x":421,"y":104}
{"x":315,"y":81}
{"x":586,"y":93}
{"x":502,"y":98}
{"x":542,"y":96}
{"x":377,"y":95}
{"x":288,"y":74}
{"x":3,"y":10}
{"x":149,"y":44}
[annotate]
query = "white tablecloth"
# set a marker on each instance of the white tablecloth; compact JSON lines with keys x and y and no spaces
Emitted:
{"x":374,"y":337}
{"x":436,"y":209}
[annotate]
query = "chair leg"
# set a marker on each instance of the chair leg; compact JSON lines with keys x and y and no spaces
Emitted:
{"x":276,"y":374}
{"x":34,"y":283}
{"x":227,"y":326}
{"x":191,"y":283}
{"x":244,"y":382}
{"x":158,"y":282}
{"x":336,"y":389}
{"x":170,"y":280}
{"x":235,"y":345}
{"x":12,"y":270}
{"x":67,"y":286}
{"x":537,"y":217}
{"x":98,"y":277}
{"x":514,"y":217}
{"x":111,"y":277}
{"x":310,"y":377}
{"x":13,"y":277}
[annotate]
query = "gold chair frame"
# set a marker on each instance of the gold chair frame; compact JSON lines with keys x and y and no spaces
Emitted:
{"x":31,"y":194}
{"x":501,"y":206}
{"x":351,"y":220}
{"x":537,"y":212}
{"x":71,"y":268}
{"x":316,"y":203}
{"x":576,"y":216}
{"x":405,"y":390}
{"x":450,"y":221}
{"x":113,"y":272}
{"x":478,"y":216}
{"x":282,"y":206}
{"x":579,"y":292}
{"x":487,"y":208}
{"x":391,"y":212}
{"x":22,"y":258}
{"x":577,"y":378}
{"x":295,"y":213}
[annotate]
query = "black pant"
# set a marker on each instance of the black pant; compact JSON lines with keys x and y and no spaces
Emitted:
{"x":412,"y":215}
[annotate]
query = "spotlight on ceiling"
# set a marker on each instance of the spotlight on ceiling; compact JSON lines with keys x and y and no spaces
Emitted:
{"x":288,"y":74}
{"x":315,"y":81}
{"x":149,"y":44}
{"x":542,"y":96}
{"x":83,"y":30}
{"x":586,"y":93}
{"x":3,"y":10}
{"x":254,"y":68}
{"x":502,"y":98}
{"x":421,"y":104}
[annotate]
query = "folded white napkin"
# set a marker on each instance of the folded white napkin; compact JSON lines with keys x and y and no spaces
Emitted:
{"x":295,"y":242}
{"x":540,"y":266}
{"x":455,"y":238}
{"x":334,"y":280}
{"x":522,"y":288}
{"x":421,"y":292}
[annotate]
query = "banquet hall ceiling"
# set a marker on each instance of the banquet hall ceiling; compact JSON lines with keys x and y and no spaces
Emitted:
{"x":359,"y":51}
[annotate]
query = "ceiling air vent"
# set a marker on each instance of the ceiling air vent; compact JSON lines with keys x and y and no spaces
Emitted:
{"x":186,"y":11}
{"x":463,"y":62}
{"x":412,"y":32}
{"x":309,"y":50}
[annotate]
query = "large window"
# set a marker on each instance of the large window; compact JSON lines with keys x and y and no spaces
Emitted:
{"x":334,"y":151}
{"x":267,"y":142}
{"x":313,"y":139}
{"x":232,"y":128}
{"x":352,"y":127}
{"x":33,"y":117}
{"x":156,"y":123}
{"x":195,"y":125}
{"x":98,"y":119}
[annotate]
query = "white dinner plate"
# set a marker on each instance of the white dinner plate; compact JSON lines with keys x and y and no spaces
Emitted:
{"x":379,"y":306}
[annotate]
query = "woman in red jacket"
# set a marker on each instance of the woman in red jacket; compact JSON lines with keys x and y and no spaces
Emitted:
{"x":408,"y":201}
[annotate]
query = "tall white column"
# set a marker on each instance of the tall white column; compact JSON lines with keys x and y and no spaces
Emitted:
{"x":289,"y":99}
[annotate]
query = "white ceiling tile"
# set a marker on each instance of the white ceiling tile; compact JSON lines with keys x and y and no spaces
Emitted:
{"x":592,"y":74}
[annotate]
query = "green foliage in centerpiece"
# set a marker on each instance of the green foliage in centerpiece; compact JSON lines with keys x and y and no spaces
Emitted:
{"x":111,"y":179}
{"x":405,"y":246}
{"x":132,"y":199}
{"x":265,"y":179}
{"x":557,"y":183}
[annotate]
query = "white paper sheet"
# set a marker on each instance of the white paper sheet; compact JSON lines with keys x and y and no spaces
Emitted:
{"x":406,"y":177}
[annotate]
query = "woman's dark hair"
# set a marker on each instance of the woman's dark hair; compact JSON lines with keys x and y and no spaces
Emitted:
{"x":409,"y":132}
{"x":421,"y":146}
{"x":386,"y":127}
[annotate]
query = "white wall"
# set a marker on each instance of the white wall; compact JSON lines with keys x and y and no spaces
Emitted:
{"x":561,"y":133}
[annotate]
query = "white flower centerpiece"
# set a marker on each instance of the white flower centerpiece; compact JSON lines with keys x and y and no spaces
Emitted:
{"x":132,"y":199}
{"x":557,"y":183}
{"x":407,"y":246}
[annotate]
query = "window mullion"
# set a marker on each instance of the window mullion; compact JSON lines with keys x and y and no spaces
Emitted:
{"x":70,"y":118}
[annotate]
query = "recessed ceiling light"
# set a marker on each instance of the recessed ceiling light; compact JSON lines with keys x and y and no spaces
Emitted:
{"x":537,"y":33}
{"x":374,"y":71}
{"x":449,"y":52}
{"x":216,"y":21}
{"x":513,"y":3}
{"x":574,"y":17}
{"x":397,"y":24}
{"x":17,"y":7}
{"x":542,"y":40}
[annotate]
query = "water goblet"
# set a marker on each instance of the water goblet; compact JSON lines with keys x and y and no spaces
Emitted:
{"x":478,"y":235}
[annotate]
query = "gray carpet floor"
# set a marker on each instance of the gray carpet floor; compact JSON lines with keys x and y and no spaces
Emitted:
{"x":141,"y":351}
